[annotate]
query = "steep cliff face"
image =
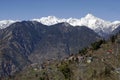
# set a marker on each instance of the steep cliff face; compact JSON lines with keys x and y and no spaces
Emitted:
{"x":28,"y":42}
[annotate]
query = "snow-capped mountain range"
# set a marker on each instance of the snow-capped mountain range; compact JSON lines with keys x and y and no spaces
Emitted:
{"x":100,"y":26}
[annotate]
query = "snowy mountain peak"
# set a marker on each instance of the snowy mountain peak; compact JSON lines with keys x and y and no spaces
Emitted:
{"x":5,"y":23}
{"x":116,"y":22}
{"x":50,"y":20}
{"x":98,"y":25}
{"x":52,"y":17}
{"x":89,"y":16}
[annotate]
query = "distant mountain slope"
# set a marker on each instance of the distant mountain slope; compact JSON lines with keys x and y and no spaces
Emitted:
{"x":117,"y":30}
{"x":102,"y":63}
{"x":63,"y":39}
{"x":29,"y":42}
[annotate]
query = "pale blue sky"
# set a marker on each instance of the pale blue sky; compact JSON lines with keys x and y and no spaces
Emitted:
{"x":29,"y":9}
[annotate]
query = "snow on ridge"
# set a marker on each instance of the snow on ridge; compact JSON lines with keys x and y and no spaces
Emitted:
{"x":89,"y":20}
{"x":100,"y":26}
{"x":6,"y":23}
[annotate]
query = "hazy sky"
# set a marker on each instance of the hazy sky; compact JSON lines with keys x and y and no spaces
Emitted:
{"x":29,"y":9}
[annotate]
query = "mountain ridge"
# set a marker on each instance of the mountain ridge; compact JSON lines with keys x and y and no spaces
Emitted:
{"x":100,"y":26}
{"x":26,"y":42}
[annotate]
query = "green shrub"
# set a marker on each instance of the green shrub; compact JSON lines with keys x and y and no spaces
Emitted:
{"x":96,"y":45}
{"x":64,"y":68}
{"x":112,"y":39}
{"x":83,"y":51}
